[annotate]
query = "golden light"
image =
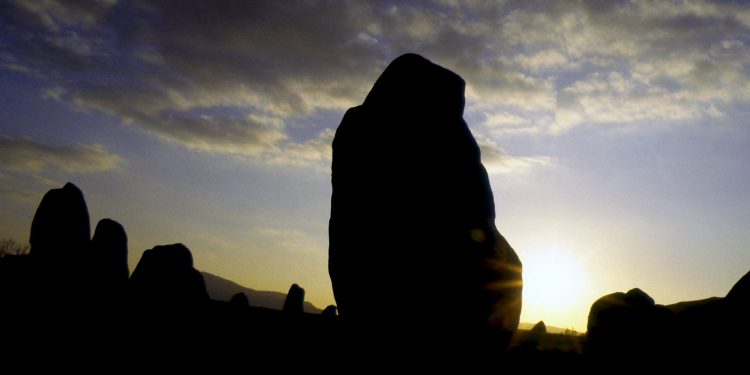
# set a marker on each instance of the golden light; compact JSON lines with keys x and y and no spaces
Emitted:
{"x":553,"y":286}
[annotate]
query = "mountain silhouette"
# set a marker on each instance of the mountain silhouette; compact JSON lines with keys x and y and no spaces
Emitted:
{"x":221,"y":289}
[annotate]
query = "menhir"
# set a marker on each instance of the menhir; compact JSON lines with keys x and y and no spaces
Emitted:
{"x":414,"y":252}
{"x":60,"y":237}
{"x":60,"y":229}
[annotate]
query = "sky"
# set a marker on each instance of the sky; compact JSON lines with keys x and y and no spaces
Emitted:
{"x":614,"y":132}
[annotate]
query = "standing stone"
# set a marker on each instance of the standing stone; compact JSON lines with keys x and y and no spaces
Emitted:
{"x":414,"y":254}
{"x":109,"y":258}
{"x":165,"y":277}
{"x":60,"y":237}
{"x":239,"y":299}
{"x":295,"y":300}
{"x":539,"y":328}
{"x":630,"y":325}
{"x":61,"y":228}
{"x":329,"y":312}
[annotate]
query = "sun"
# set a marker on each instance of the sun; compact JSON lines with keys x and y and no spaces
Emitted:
{"x":553,"y":285}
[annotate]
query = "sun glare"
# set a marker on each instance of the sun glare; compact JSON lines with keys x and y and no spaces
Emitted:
{"x":553,"y":285}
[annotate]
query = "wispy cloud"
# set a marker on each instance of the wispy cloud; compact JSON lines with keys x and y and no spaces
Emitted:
{"x":29,"y":167}
{"x":291,"y":240}
{"x":316,"y":152}
{"x":498,"y":161}
{"x":31,"y":157}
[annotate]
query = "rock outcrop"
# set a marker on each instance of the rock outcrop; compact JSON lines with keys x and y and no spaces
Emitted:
{"x":413,"y":219}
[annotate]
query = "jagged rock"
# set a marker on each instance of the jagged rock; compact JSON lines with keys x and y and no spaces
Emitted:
{"x":413,"y":218}
{"x":108,"y":257}
{"x":165,"y":276}
{"x":60,"y":229}
{"x":630,"y":325}
{"x":295,"y":300}
{"x":239,"y":299}
{"x":329,"y":312}
{"x":539,"y":328}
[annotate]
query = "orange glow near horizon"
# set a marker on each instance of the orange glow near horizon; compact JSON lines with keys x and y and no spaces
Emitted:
{"x":554,"y":289}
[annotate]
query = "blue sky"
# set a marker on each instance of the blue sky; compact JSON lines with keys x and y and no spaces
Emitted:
{"x":615,"y":132}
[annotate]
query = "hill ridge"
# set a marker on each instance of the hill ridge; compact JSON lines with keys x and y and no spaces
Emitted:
{"x":222,"y":289}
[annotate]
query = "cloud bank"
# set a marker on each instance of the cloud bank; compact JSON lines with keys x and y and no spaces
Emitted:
{"x":30,"y":167}
{"x":28,"y":156}
{"x":228,"y":77}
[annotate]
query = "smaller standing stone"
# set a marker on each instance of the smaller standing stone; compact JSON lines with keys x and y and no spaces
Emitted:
{"x":329,"y":312}
{"x":295,"y":300}
{"x":108,"y":258}
{"x":539,"y":328}
{"x":239,"y":299}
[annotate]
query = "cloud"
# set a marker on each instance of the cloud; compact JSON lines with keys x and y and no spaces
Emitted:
{"x":222,"y":77}
{"x":686,"y":62}
{"x":499,"y":123}
{"x":29,"y":167}
{"x":291,"y":240}
{"x":616,"y":99}
{"x":498,"y":161}
{"x":316,"y":152}
{"x":227,"y":77}
{"x":548,"y":59}
{"x":31,"y":157}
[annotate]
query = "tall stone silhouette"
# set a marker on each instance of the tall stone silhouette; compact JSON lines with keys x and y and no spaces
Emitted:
{"x":61,"y":225}
{"x":60,"y":238}
{"x":414,"y":253}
